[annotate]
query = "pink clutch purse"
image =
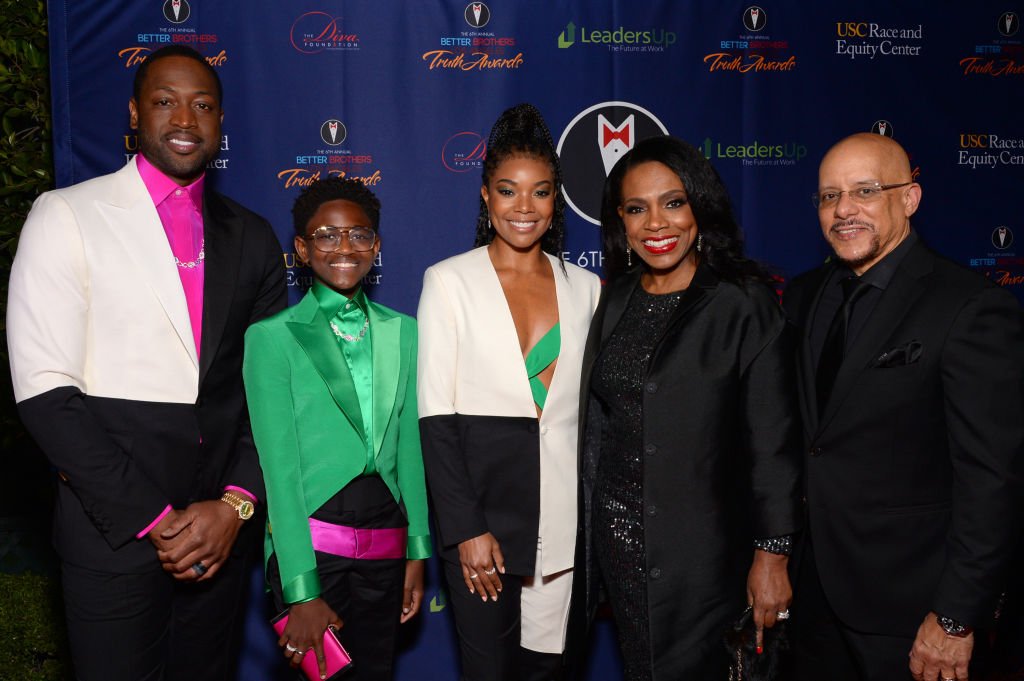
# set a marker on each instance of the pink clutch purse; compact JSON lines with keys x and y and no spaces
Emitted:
{"x":335,"y":656}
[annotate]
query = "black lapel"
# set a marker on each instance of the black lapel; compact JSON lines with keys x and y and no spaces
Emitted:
{"x":811,"y":291}
{"x":619,"y":293}
{"x":901,"y":294}
{"x":704,"y":283}
{"x":222,"y":237}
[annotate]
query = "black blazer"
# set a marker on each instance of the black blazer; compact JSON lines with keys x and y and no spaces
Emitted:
{"x":721,"y":456}
{"x":122,"y":457}
{"x":913,"y":469}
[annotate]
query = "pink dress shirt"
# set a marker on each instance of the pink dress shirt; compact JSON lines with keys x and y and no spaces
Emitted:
{"x":181,"y":214}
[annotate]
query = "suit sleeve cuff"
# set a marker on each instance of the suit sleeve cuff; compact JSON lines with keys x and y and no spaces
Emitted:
{"x":156,"y":521}
{"x":418,"y":548}
{"x":236,"y":488}
{"x":303,"y":588}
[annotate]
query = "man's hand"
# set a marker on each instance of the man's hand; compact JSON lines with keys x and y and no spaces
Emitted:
{"x":937,"y":655}
{"x":159,"y":542}
{"x":202,"y":533}
{"x":413,"y":590}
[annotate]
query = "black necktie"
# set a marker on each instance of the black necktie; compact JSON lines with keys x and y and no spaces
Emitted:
{"x":834,"y":349}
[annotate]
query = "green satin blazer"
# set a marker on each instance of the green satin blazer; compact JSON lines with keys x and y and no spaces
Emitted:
{"x":309,"y":430}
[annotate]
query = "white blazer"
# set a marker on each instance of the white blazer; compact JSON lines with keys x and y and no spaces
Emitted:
{"x":96,"y":301}
{"x":470,"y":364}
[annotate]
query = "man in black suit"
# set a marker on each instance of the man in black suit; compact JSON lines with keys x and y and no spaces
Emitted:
{"x":912,"y":394}
{"x":129,"y":298}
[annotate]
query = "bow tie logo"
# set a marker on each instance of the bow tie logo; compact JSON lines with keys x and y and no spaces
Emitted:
{"x":610,"y":135}
{"x":614,"y":141}
{"x":176,"y":11}
{"x":333,"y":132}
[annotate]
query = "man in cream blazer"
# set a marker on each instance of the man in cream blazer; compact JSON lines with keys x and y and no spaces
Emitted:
{"x":126,"y":355}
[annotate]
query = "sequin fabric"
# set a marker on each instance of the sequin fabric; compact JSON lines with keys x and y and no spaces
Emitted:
{"x":618,"y":493}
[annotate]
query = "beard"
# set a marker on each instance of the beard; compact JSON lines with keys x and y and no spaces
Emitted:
{"x":865,"y":255}
{"x":175,"y":165}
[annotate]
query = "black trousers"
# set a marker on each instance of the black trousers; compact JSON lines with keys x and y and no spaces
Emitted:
{"x":489,"y":634}
{"x":148,"y":627}
{"x":366,"y":594}
{"x":825,"y":649}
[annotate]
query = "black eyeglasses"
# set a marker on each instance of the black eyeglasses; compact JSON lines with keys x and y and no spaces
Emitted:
{"x":327,"y":238}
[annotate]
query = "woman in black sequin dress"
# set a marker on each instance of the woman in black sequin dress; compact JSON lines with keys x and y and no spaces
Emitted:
{"x":690,"y":463}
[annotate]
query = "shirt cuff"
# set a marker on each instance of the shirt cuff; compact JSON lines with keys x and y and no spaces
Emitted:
{"x":303,"y":588}
{"x":156,"y":521}
{"x":418,"y":548}
{"x":781,"y":545}
{"x":235,"y":488}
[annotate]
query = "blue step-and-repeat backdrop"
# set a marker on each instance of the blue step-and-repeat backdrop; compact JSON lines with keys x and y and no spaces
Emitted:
{"x":402,"y":96}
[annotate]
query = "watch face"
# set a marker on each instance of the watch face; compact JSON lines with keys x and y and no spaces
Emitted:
{"x":246,"y":510}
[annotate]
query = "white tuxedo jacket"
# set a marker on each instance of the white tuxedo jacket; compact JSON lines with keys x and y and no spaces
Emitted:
{"x":491,"y":464}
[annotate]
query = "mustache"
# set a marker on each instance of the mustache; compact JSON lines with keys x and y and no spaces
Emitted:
{"x":840,"y":224}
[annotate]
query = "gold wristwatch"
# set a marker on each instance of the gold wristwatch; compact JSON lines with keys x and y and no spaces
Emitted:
{"x":244,"y":507}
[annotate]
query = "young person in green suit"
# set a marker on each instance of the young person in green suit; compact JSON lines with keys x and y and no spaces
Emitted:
{"x":331,"y":387}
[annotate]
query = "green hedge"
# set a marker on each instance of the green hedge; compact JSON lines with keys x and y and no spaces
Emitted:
{"x":32,"y":640}
{"x":26,"y":161}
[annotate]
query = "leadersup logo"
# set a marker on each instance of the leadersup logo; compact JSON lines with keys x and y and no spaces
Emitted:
{"x":315,"y":32}
{"x":463,"y":152}
{"x":1001,"y":55}
{"x":618,"y":39}
{"x":980,"y":150}
{"x":334,"y":159}
{"x":131,"y":148}
{"x":756,"y":153}
{"x":475,"y":49}
{"x":751,"y":51}
{"x":868,"y":39}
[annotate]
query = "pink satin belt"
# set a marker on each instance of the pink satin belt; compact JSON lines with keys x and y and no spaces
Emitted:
{"x":353,"y":542}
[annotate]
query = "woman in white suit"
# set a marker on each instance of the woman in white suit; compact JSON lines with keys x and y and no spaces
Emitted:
{"x":502,"y":330}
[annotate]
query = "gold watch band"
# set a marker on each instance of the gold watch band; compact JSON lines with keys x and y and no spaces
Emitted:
{"x":242,"y":506}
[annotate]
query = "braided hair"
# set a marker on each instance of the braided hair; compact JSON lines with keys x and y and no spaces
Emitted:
{"x":334,"y":189}
{"x":521,"y":131}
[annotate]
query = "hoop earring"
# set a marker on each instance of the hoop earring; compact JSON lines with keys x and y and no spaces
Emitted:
{"x":629,"y":257}
{"x":700,"y":242}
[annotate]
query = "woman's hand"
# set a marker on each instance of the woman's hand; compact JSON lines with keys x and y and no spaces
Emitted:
{"x":768,"y":591}
{"x":305,"y":629}
{"x":413,"y":590}
{"x":481,"y":562}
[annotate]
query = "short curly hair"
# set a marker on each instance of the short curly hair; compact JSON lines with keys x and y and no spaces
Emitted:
{"x":521,"y":131}
{"x":175,"y":51}
{"x":334,"y":189}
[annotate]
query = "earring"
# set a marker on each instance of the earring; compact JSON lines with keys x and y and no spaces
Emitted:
{"x":489,"y":225}
{"x":700,"y":242}
{"x":629,"y":257}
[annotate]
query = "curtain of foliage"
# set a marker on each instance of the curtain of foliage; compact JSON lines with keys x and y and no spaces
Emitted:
{"x":26,"y":161}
